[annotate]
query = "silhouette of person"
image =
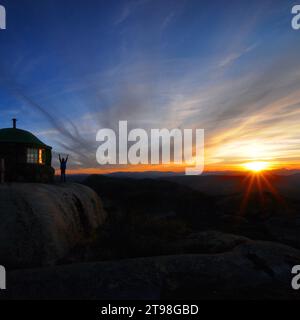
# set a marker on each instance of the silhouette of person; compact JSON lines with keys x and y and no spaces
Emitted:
{"x":63,"y":167}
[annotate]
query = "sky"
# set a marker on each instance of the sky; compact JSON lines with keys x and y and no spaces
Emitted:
{"x":69,"y":68}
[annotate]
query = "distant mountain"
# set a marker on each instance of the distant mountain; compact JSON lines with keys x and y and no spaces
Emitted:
{"x":288,"y":185}
{"x":73,"y":177}
{"x":150,"y":196}
{"x":231,"y":204}
{"x":169,"y":174}
{"x":145,"y":174}
{"x":210,"y":183}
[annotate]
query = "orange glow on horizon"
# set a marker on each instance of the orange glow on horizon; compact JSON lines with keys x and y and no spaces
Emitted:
{"x":129,"y":168}
{"x":238,"y":168}
{"x":256,"y":166}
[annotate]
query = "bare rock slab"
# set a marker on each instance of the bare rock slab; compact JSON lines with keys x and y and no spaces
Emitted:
{"x":40,"y":223}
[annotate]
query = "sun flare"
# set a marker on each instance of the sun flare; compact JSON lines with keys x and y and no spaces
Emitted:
{"x":256,"y":166}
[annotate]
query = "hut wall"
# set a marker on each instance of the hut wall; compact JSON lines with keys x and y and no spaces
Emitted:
{"x":17,"y":168}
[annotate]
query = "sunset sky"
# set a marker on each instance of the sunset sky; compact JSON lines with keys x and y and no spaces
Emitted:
{"x":69,"y":68}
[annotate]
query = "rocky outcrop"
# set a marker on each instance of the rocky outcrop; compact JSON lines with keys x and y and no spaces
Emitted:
{"x":207,"y":242}
{"x":248,"y":269}
{"x":40,"y":223}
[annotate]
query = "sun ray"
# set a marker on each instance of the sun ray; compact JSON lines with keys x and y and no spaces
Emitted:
{"x":246,"y":195}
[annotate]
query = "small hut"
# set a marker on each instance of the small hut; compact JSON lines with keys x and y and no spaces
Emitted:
{"x":23,"y":157}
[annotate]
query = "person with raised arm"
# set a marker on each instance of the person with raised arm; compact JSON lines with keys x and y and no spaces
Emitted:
{"x":63,"y":167}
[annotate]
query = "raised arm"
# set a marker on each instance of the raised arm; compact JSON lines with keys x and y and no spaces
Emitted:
{"x":67,"y":158}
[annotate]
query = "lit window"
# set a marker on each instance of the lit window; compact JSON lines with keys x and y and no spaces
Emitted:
{"x":32,"y":155}
{"x":35,"y":156}
{"x":41,"y":156}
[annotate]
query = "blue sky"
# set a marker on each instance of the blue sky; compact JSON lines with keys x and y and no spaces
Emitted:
{"x":69,"y":68}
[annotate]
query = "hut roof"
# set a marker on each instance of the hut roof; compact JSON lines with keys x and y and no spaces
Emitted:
{"x":19,"y":136}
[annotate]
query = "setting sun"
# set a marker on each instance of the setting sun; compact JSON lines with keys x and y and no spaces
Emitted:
{"x":256,"y":166}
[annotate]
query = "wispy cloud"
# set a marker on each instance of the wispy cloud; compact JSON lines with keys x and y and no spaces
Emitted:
{"x":234,"y":56}
{"x":128,"y":9}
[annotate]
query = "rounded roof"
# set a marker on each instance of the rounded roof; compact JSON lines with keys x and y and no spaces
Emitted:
{"x":19,"y":136}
